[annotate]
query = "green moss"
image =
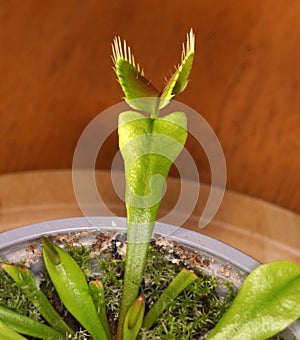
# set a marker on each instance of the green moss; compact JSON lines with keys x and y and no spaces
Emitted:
{"x":12,"y":297}
{"x":81,"y":254}
{"x":196,"y":310}
{"x":191,"y":315}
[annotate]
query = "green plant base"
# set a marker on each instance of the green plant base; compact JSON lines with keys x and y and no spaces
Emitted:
{"x":219,"y":276}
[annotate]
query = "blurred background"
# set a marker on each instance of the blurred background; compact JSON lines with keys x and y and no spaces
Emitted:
{"x":56,"y":75}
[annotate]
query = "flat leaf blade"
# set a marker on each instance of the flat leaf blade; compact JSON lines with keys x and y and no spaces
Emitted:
{"x":25,"y":325}
{"x":72,"y":288}
{"x":267,"y":303}
{"x":9,"y":334}
{"x":149,"y":147}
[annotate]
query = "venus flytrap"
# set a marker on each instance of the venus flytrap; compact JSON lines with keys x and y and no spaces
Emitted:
{"x":149,"y":146}
{"x":140,"y":94}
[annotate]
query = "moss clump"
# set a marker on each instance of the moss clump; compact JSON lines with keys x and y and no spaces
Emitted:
{"x":12,"y":297}
{"x":193,"y":313}
{"x":82,"y":255}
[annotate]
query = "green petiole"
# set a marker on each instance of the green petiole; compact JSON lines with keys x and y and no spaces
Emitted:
{"x":24,"y":325}
{"x":178,"y":284}
{"x":72,"y":288}
{"x":26,"y":281}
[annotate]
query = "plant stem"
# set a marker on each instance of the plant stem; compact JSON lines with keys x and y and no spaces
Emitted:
{"x":136,"y":254}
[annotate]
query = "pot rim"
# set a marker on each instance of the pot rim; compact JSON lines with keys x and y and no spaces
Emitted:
{"x":101,"y":223}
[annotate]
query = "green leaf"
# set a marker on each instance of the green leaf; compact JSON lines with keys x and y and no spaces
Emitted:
{"x":267,"y":303}
{"x":140,"y":94}
{"x":26,"y":281}
{"x":25,"y":325}
{"x":9,"y":334}
{"x":97,"y":292}
{"x":178,"y":284}
{"x":72,"y":288}
{"x":179,"y":80}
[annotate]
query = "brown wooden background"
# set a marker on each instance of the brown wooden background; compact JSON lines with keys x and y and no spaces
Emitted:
{"x":56,"y":75}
